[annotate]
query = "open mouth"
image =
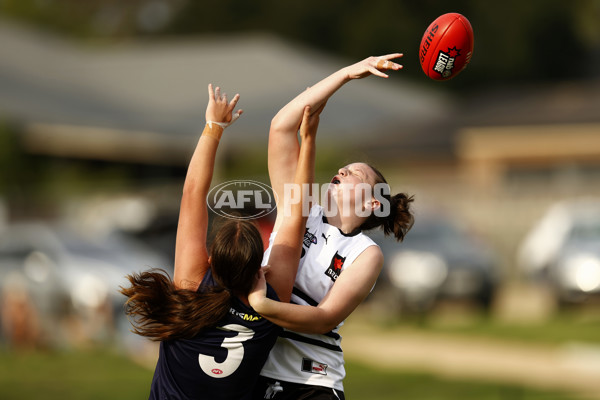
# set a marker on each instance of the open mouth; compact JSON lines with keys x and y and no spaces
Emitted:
{"x":335,"y":180}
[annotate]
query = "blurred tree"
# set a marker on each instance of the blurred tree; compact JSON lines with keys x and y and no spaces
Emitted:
{"x":515,"y":40}
{"x":534,"y":40}
{"x":8,"y":158}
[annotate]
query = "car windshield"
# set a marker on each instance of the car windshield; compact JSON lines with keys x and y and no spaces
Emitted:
{"x":587,"y":230}
{"x":432,"y":232}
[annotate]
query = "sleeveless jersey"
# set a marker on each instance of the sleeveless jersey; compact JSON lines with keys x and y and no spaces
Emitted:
{"x":222,"y":362}
{"x":314,"y":359}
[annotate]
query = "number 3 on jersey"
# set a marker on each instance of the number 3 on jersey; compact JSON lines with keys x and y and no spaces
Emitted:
{"x":235,"y":353}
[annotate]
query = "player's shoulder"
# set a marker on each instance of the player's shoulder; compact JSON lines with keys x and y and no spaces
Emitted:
{"x":367,"y":241}
{"x":316,"y":211}
{"x":371,"y":255}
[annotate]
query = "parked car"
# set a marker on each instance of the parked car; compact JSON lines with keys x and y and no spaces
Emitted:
{"x":562,"y":250}
{"x":70,"y":280}
{"x":437,"y":260}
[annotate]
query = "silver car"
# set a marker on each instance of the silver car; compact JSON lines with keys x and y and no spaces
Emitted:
{"x":68,"y":280}
{"x":437,"y":260}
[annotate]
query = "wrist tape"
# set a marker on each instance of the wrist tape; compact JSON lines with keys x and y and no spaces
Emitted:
{"x":214,"y":130}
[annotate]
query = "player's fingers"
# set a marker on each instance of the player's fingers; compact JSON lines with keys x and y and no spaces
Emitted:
{"x":392,"y":56}
{"x":383,"y":64}
{"x":305,"y":118}
{"x":387,"y":64}
{"x":234,"y":101}
{"x":320,"y":108}
{"x":265,"y":269}
{"x":377,"y":72}
{"x":211,"y":93}
{"x":235,"y":116}
{"x":306,"y":115}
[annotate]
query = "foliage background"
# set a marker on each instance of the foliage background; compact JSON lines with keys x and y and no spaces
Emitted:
{"x":525,"y":41}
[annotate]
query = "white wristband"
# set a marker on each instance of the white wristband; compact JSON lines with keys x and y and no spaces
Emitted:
{"x":224,"y":125}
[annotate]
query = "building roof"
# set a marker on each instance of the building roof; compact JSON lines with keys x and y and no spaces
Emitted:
{"x":567,"y":102}
{"x":156,"y":91}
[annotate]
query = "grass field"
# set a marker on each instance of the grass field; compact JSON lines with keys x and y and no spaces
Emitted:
{"x":562,"y":328}
{"x":105,"y":374}
{"x":363,"y":383}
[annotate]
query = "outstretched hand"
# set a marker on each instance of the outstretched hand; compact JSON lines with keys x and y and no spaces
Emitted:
{"x":218,"y":109}
{"x":374,"y":66}
{"x":310,"y":121}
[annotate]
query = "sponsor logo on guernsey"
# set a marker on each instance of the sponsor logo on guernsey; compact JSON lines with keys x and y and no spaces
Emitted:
{"x":313,"y":367}
{"x":335,"y":267}
{"x":245,"y":316}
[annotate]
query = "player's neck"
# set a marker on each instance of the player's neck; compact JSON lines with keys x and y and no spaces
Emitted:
{"x":346,"y":224}
{"x":244,"y":299}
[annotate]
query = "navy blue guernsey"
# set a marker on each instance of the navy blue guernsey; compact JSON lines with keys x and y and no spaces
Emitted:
{"x":222,"y":362}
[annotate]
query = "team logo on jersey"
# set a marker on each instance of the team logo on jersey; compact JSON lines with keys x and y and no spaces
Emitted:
{"x":314,"y":367}
{"x":335,"y":268}
{"x":445,"y":61}
{"x":309,"y":238}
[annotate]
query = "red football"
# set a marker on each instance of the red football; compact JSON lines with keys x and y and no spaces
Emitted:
{"x":446,"y":47}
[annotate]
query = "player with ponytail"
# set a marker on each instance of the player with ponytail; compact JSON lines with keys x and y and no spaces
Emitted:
{"x":339,"y":264}
{"x":162,"y":311}
{"x":398,"y":221}
{"x":212,"y":343}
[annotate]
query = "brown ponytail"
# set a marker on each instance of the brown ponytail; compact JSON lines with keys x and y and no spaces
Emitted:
{"x":398,"y":220}
{"x":160,"y":311}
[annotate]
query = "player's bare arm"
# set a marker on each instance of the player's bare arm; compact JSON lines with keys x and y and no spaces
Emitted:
{"x":191,"y":254}
{"x":283,"y":140}
{"x":350,"y":289}
{"x":285,"y":254}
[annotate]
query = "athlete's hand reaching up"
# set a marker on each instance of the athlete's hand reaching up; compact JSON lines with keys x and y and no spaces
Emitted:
{"x":373,"y":66}
{"x":219,"y":109}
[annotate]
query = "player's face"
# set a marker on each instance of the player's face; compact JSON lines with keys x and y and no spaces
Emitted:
{"x":346,"y":181}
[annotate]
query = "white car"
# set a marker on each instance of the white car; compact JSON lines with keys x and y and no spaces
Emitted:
{"x":563,"y":250}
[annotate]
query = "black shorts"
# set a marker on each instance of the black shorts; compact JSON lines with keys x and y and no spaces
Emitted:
{"x":268,"y":388}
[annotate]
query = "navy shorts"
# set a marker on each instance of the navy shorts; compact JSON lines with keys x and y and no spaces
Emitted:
{"x":268,"y":388}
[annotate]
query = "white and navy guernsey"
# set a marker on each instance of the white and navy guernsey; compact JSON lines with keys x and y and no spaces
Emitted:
{"x":222,"y":362}
{"x":314,"y":359}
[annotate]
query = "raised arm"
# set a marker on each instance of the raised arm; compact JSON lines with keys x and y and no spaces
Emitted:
{"x":285,"y":252}
{"x":191,"y":254}
{"x":283,"y":140}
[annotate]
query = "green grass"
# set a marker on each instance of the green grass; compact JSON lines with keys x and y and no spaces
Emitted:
{"x":105,"y":374}
{"x":561,"y":328}
{"x":367,"y":383}
{"x":92,"y":375}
